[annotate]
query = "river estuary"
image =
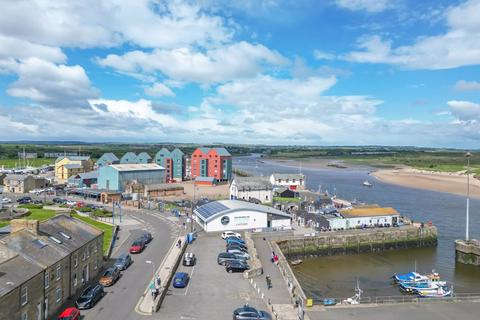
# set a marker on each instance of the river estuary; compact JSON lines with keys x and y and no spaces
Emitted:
{"x":337,"y":276}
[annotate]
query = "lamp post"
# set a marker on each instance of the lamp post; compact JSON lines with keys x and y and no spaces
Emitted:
{"x":468,"y":155}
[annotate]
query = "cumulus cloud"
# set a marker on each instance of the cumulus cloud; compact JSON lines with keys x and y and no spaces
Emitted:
{"x":465,"y":110}
{"x":459,"y":46}
{"x":236,"y":60}
{"x":372,"y":6}
{"x":93,"y":23}
{"x":463,"y":85}
{"x":57,"y":85}
{"x":159,"y":90}
{"x":322,"y":55}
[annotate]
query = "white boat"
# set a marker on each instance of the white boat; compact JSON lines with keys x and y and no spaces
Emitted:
{"x":356,"y":298}
{"x":366,"y":183}
{"x":443,"y":291}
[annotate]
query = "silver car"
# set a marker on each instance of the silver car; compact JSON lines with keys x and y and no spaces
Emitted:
{"x":239,"y":253}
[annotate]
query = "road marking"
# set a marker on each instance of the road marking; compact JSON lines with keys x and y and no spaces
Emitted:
{"x":189,"y":281}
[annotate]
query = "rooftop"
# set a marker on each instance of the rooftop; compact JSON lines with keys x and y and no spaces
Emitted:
{"x":17,"y":177}
{"x":136,"y":167}
{"x":109,"y":156}
{"x":214,"y":209}
{"x":163,"y":186}
{"x":73,"y":158}
{"x":252,"y":183}
{"x":369,"y":212}
{"x":73,"y":166}
{"x":290,"y":176}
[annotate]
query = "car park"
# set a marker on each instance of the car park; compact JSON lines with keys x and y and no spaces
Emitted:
{"x":225,"y":256}
{"x":137,"y":246}
{"x":110,"y":276}
{"x":69,"y":314}
{"x":180,"y":280}
{"x":239,"y":253}
{"x":90,"y":296}
{"x":228,"y":234}
{"x":123,"y":261}
{"x":236,"y":266}
{"x":189,"y":259}
{"x":249,"y":313}
{"x":147,"y":237}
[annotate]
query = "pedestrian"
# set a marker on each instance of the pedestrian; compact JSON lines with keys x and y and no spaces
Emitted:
{"x":269,"y":282}
{"x":179,"y":243}
{"x":275,"y":259}
{"x":272,"y":257}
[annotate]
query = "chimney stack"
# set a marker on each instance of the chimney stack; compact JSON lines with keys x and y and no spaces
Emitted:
{"x":19,"y":224}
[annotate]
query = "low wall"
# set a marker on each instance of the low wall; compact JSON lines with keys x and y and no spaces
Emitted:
{"x":467,"y":252}
{"x":359,"y":241}
{"x":255,"y":263}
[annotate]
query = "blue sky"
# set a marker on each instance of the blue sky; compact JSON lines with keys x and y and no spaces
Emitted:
{"x":342,"y":72}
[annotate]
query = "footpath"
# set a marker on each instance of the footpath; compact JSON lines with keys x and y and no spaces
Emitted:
{"x":278,"y":295}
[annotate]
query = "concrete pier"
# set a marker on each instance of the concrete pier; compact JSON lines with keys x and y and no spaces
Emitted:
{"x":467,"y":252}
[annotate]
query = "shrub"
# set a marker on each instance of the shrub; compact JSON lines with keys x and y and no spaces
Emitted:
{"x":31,"y":206}
{"x":85,"y":209}
{"x":102,"y":213}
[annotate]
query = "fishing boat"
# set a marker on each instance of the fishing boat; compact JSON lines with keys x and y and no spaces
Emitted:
{"x":366,"y":183}
{"x":421,"y":286}
{"x":411,"y":277}
{"x":440,"y":292}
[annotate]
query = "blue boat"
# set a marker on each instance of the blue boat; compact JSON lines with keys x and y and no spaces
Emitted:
{"x":428,"y":285}
{"x":414,"y":278}
{"x":329,"y":302}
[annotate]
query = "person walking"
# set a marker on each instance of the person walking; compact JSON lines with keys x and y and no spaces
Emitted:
{"x":272,"y":258}
{"x":269,"y":282}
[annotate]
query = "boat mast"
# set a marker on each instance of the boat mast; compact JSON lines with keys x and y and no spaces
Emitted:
{"x":468,"y":155}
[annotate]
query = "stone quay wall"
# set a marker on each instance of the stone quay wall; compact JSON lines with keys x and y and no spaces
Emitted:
{"x":358,"y":241}
{"x":468,"y":252}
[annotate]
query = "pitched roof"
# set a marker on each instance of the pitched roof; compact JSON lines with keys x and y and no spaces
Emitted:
{"x":17,"y":177}
{"x":14,"y":270}
{"x":222,"y":151}
{"x":73,"y":166}
{"x":290,"y":176}
{"x":252,"y":183}
{"x":73,"y":158}
{"x":143,"y":155}
{"x":130,"y":156}
{"x":164,"y":151}
{"x":369,"y":212}
{"x":178,"y":151}
{"x":109,"y":157}
{"x":136,"y":167}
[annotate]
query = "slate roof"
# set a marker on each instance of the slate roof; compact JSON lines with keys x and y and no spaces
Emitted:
{"x":17,"y":177}
{"x":290,"y":176}
{"x":252,"y":183}
{"x":73,"y":158}
{"x":109,"y":157}
{"x":222,"y":152}
{"x":178,"y":151}
{"x":73,"y":166}
{"x":137,"y":167}
{"x":14,"y":270}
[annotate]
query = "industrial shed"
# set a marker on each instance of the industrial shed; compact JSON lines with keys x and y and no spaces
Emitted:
{"x":116,"y":177}
{"x":239,"y":215}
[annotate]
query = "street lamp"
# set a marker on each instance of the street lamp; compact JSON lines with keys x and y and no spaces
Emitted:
{"x":468,"y":155}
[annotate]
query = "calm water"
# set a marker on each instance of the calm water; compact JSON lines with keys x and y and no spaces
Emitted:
{"x":336,"y":276}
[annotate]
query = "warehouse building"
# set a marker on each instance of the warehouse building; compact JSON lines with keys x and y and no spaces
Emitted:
{"x":239,"y":215}
{"x":116,"y":177}
{"x":258,"y":189}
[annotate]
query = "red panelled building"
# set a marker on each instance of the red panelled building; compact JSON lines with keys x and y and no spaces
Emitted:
{"x":211,"y":162}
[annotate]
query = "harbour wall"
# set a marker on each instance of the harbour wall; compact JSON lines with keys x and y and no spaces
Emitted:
{"x":358,"y":241}
{"x":467,"y":252}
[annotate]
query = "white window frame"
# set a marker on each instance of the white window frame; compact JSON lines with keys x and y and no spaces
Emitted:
{"x":58,"y":272}
{"x":75,"y":279}
{"x":84,"y":255}
{"x":24,"y":315}
{"x":75,"y":260}
{"x":58,"y":295}
{"x":47,"y":279}
{"x":24,"y":293}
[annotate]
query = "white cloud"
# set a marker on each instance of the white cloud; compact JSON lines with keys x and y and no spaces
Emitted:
{"x":465,"y":110}
{"x":220,"y":64}
{"x":159,"y":90}
{"x":57,"y":85}
{"x":463,"y":85}
{"x":92,"y":23}
{"x":371,"y":6}
{"x":459,"y":46}
{"x":322,"y":55}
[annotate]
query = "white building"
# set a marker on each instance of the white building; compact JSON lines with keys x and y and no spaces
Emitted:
{"x":239,"y":215}
{"x":251,"y":188}
{"x":293,"y":181}
{"x":359,"y":217}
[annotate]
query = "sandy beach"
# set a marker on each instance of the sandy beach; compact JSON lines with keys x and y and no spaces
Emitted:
{"x":455,"y":183}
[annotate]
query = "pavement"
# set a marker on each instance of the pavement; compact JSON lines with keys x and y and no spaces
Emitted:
{"x":212,"y":293}
{"x":432,"y":310}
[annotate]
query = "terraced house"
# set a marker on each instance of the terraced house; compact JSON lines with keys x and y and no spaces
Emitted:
{"x":46,"y":263}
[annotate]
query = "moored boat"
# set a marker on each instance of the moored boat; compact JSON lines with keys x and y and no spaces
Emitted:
{"x":415,"y":277}
{"x":440,"y":292}
{"x":366,"y":183}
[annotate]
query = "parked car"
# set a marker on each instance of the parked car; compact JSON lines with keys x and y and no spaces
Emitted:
{"x":109,"y":276}
{"x":37,"y":201}
{"x":89,"y":297}
{"x":236,"y":266}
{"x":180,"y":280}
{"x":147,"y":236}
{"x":225,"y":256}
{"x":249,"y":313}
{"x":189,"y":259}
{"x":57,"y":200}
{"x":239,"y":253}
{"x":228,"y":234}
{"x":24,"y":200}
{"x":137,"y":246}
{"x":71,"y":203}
{"x":6,"y":200}
{"x":69,"y":314}
{"x":235,"y":240}
{"x":123,"y":261}
{"x":237,"y":246}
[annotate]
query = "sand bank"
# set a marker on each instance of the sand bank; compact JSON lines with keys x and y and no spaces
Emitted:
{"x":455,"y":183}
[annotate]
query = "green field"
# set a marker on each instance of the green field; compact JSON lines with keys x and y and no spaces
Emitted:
{"x":282,"y":199}
{"x":107,"y":230}
{"x":38,"y":213}
{"x":16,"y":163}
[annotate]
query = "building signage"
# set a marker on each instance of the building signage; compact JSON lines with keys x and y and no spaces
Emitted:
{"x":225,"y":220}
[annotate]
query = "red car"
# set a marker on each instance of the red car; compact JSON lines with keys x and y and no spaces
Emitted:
{"x":70,"y":314}
{"x":137,"y":246}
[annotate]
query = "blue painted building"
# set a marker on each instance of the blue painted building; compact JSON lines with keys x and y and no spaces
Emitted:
{"x":116,"y":176}
{"x":128,"y":157}
{"x":143,"y":157}
{"x":173,"y":162}
{"x":106,"y":159}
